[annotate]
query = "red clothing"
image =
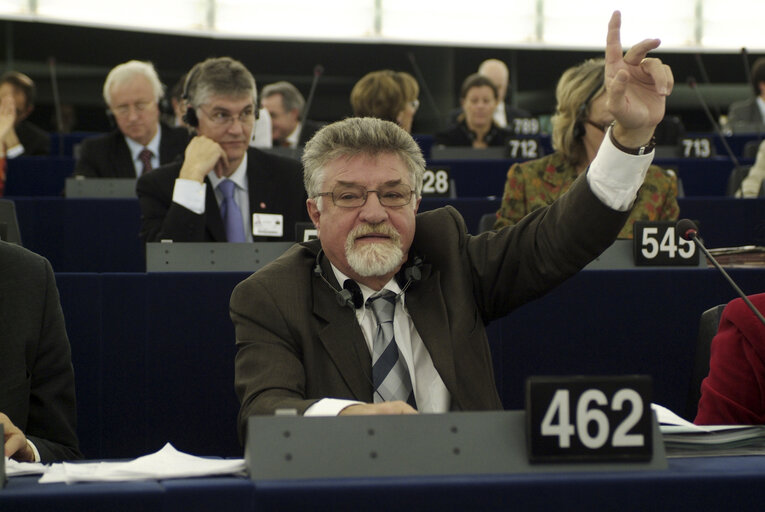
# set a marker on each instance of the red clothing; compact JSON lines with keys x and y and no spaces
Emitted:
{"x":734,"y":391}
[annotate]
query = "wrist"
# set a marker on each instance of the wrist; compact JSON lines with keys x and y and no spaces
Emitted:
{"x":632,"y":142}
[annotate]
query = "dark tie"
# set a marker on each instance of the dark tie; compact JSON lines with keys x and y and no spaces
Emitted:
{"x":390,"y":376}
{"x":229,"y":210}
{"x":145,"y":157}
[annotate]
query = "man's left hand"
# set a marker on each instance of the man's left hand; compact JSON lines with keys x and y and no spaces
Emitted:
{"x":636,"y":87}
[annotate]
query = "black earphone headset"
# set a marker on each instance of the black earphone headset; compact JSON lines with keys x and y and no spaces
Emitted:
{"x":350,"y":295}
{"x":581,"y":113}
{"x":190,"y":116}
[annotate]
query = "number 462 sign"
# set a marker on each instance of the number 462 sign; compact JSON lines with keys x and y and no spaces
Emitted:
{"x":589,"y":418}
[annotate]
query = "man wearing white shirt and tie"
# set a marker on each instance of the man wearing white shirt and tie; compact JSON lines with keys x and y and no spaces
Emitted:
{"x":141,"y":142}
{"x":223,"y":190}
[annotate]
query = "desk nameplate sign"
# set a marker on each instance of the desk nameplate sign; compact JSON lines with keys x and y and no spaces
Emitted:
{"x":659,"y":244}
{"x":588,"y":419}
{"x":100,"y":187}
{"x":212,"y":256}
{"x":458,"y":443}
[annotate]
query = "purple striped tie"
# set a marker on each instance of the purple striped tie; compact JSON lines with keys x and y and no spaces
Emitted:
{"x":229,"y":210}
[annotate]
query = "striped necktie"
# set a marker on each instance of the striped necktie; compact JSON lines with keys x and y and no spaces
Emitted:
{"x":145,"y":157}
{"x":390,"y":376}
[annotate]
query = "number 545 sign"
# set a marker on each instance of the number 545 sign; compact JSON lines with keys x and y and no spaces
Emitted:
{"x":658,"y":243}
{"x":589,"y":418}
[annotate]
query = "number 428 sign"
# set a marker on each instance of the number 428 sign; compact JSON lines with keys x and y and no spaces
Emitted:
{"x":589,"y":418}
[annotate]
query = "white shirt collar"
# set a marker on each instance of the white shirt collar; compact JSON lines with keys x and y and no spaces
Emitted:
{"x":239,"y":177}
{"x":292,"y":138}
{"x":366,"y":291}
{"x":153,"y":145}
{"x":761,"y":104}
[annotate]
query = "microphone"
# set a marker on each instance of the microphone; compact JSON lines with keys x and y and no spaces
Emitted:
{"x":692,"y":84}
{"x":56,"y":103}
{"x":688,"y":231}
{"x":318,"y":70}
{"x":747,"y":69}
{"x":423,"y":84}
{"x":706,"y":80}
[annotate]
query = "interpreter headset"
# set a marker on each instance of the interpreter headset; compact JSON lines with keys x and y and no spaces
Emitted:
{"x":581,"y":113}
{"x":190,"y":116}
{"x":350,"y":295}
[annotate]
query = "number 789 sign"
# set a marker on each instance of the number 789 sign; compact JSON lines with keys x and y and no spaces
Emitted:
{"x":589,"y":418}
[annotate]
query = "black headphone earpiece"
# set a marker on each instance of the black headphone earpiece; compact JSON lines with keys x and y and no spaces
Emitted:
{"x":190,"y":116}
{"x":413,"y":272}
{"x":579,"y":130}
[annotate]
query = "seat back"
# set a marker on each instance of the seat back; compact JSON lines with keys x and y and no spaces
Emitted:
{"x":9,"y":223}
{"x":710,"y":320}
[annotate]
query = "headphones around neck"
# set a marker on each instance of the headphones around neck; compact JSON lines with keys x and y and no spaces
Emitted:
{"x":350,"y":295}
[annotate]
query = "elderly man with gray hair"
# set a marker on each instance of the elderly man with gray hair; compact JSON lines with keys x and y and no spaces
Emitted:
{"x":140,"y":143}
{"x":285,"y":104}
{"x":385,"y":313}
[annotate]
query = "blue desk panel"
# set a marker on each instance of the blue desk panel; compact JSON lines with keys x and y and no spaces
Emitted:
{"x":715,"y":483}
{"x":154,"y":353}
{"x":37,"y":175}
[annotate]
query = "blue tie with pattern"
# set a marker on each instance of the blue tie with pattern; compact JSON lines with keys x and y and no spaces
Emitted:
{"x":390,"y":376}
{"x":229,"y":210}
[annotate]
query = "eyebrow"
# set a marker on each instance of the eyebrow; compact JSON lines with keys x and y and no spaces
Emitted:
{"x":355,"y":184}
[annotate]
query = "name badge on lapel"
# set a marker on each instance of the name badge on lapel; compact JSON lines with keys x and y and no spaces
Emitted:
{"x":267,"y":224}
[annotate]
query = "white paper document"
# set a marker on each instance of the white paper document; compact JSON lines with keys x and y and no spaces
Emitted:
{"x":15,"y":468}
{"x":166,"y":463}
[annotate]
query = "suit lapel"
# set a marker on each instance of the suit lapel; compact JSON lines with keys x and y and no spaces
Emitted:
{"x":425,"y":303}
{"x":212,"y":217}
{"x":342,"y":337}
{"x":123,"y":162}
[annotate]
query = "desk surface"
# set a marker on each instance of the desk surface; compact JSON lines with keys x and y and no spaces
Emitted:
{"x":714,"y":483}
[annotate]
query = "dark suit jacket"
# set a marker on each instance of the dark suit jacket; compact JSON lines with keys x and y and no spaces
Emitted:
{"x":297,"y":345}
{"x":36,"y":376}
{"x":745,"y":116}
{"x":35,"y":140}
{"x":108,"y":155}
{"x":275,"y":182}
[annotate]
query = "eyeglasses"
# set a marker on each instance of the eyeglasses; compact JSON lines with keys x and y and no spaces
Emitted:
{"x":600,"y":126}
{"x":415,"y":104}
{"x":223,"y":118}
{"x":139,"y":107}
{"x":354,"y":196}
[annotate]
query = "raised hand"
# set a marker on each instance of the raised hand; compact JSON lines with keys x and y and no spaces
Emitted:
{"x":636,"y":86}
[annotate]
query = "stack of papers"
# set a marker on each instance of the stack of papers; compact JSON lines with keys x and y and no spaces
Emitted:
{"x":684,"y":439}
{"x":166,"y":463}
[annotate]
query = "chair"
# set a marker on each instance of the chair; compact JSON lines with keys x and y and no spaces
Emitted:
{"x":9,"y":223}
{"x":751,"y":148}
{"x":737,"y":175}
{"x":710,"y":320}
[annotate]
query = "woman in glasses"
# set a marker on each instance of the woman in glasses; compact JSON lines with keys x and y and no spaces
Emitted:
{"x":579,"y":125}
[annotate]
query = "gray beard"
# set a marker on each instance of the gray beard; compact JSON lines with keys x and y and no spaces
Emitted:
{"x":376,"y":259}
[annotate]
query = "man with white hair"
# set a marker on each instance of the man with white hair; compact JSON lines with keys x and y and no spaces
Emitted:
{"x":141,"y":142}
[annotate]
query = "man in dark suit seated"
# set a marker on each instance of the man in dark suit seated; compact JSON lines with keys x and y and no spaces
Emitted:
{"x":285,"y":105}
{"x":749,"y":115}
{"x":140,"y":143}
{"x":385,"y":312}
{"x":25,"y":138}
{"x":37,"y":399}
{"x":222,"y":191}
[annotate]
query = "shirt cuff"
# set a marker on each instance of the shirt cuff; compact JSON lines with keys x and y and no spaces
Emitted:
{"x":615,"y":176}
{"x":15,"y":151}
{"x":329,"y":407}
{"x":190,"y":194}
{"x":34,"y":450}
